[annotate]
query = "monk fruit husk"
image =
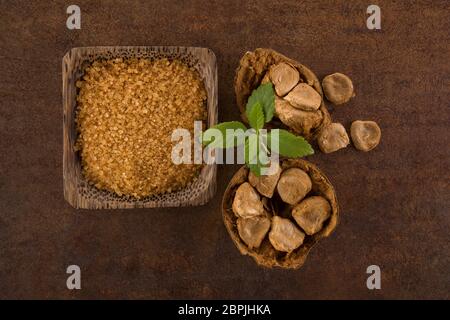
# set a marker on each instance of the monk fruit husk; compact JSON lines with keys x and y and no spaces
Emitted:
{"x":266,"y":65}
{"x":263,"y":251}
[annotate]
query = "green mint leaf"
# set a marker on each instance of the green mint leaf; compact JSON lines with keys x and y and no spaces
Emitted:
{"x":256,"y":117}
{"x":249,"y":152}
{"x":264,"y":95}
{"x":256,"y":156}
{"x":289,"y":145}
{"x":229,"y":138}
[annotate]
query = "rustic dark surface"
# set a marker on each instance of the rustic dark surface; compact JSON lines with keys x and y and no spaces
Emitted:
{"x":395,"y":200}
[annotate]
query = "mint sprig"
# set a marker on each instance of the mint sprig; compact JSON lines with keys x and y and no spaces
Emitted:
{"x":265,"y":96}
{"x":289,"y":145}
{"x":260,"y":109}
{"x":256,"y":117}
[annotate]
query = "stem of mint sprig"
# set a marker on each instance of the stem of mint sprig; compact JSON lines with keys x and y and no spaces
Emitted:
{"x":258,"y":143}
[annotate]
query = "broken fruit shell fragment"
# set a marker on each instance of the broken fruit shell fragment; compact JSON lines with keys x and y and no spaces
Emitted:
{"x":365,"y":135}
{"x":311,"y":213}
{"x":284,"y":235}
{"x":294,"y":185}
{"x":266,"y":184}
{"x":253,"y":230}
{"x":338,"y":88}
{"x":255,"y":65}
{"x":284,"y":77}
{"x":247,"y":203}
{"x":299,"y":121}
{"x":266,"y":255}
{"x":304,"y":97}
{"x":332,"y":138}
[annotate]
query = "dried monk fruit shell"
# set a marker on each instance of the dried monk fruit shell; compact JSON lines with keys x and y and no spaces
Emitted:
{"x":332,"y":138}
{"x":253,"y":230}
{"x":255,"y":65}
{"x":266,"y":255}
{"x":311,"y":213}
{"x":338,"y":88}
{"x":284,"y":77}
{"x":365,"y":135}
{"x":294,"y":185}
{"x":266,"y":184}
{"x":304,"y":97}
{"x":299,"y":121}
{"x":247,"y":202}
{"x":284,"y":235}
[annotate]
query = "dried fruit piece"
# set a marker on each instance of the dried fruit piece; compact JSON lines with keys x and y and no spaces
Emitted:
{"x":300,"y":121}
{"x":266,"y":184}
{"x":294,"y":185}
{"x":266,"y":78}
{"x":284,"y":235}
{"x":338,"y":88}
{"x":253,"y":230}
{"x":332,"y":138}
{"x":304,"y":97}
{"x":246,"y":203}
{"x":365,"y":135}
{"x":284,"y":77}
{"x":311,"y":213}
{"x":266,"y":204}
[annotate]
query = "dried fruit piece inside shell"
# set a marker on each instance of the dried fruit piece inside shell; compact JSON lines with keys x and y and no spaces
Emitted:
{"x":247,"y":203}
{"x":294,"y":185}
{"x":284,"y":235}
{"x":304,"y":97}
{"x":253,"y":230}
{"x":266,"y":184}
{"x":284,"y":77}
{"x":299,"y":121}
{"x":311,"y":213}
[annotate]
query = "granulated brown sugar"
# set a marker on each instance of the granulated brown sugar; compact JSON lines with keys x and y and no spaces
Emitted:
{"x":127,"y":111}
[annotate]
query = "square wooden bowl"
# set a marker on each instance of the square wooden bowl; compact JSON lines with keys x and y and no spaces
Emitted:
{"x":77,"y":191}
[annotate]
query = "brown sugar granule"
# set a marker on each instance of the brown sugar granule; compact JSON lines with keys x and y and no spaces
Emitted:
{"x":127,"y":111}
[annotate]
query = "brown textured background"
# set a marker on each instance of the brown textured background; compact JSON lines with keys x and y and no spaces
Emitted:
{"x":395,"y":200}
